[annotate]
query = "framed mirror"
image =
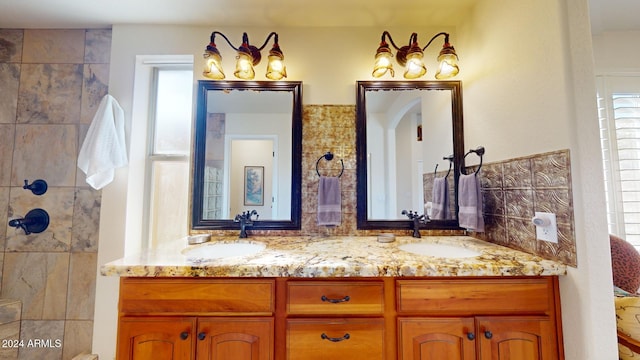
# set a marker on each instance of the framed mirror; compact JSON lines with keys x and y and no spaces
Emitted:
{"x":247,"y":154}
{"x":408,"y":133}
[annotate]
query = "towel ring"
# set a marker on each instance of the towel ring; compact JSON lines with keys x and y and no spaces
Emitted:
{"x":450,"y":158}
{"x":329,"y":156}
{"x":478,"y":151}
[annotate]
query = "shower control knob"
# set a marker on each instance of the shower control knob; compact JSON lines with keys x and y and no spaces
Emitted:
{"x":37,"y":187}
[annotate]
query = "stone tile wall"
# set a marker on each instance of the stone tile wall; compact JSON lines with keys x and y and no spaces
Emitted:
{"x":51,"y":82}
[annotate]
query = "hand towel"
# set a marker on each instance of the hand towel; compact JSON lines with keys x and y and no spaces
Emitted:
{"x":470,"y":203}
{"x":440,"y":199}
{"x":104,"y":148}
{"x":329,"y":201}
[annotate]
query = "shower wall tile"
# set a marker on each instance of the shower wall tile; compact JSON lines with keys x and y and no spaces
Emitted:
{"x":44,"y":46}
{"x":39,"y":281}
{"x":59,"y":203}
{"x":52,"y":330}
{"x":48,"y":96}
{"x":50,"y":93}
{"x":82,"y":286}
{"x":4,"y":204}
{"x":78,"y":337}
{"x":86,"y":220}
{"x":94,"y":88}
{"x":10,"y":80}
{"x":97,"y":46}
{"x":535,"y":183}
{"x":7,"y":136}
{"x":45,"y":152}
{"x":9,"y":326}
{"x":11,"y":45}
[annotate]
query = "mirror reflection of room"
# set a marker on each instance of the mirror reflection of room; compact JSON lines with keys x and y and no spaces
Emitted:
{"x":248,"y":152}
{"x":414,"y":133}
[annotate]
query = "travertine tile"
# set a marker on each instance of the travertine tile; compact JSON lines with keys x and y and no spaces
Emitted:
{"x":39,"y":281}
{"x":50,"y":93}
{"x":94,"y":88}
{"x":58,"y":202}
{"x":50,"y":332}
{"x":45,"y":152}
{"x":43,"y":46}
{"x":10,"y":80}
{"x":97,"y":46}
{"x":78,"y":337}
{"x":7,"y":136}
{"x":4,"y":204}
{"x":82,"y":286}
{"x":11,"y":45}
{"x":86,"y":220}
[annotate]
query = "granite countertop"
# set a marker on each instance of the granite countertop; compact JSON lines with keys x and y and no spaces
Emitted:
{"x":307,"y":257}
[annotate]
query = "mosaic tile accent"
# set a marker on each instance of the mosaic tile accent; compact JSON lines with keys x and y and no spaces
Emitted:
{"x":513,"y":190}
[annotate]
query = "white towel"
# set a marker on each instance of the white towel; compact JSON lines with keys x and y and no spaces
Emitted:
{"x":470,"y":203}
{"x":104,"y":148}
{"x":440,"y":199}
{"x":329,"y":201}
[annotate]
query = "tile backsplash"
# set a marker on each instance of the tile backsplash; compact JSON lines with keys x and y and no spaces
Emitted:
{"x":513,"y":190}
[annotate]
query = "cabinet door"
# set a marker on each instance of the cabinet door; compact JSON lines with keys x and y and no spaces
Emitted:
{"x":436,"y":339}
{"x":161,"y":338}
{"x":235,"y":338}
{"x":322,"y":339}
{"x":522,"y":338}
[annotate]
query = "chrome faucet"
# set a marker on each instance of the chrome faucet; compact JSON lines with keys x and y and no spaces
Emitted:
{"x":417,"y":220}
{"x":245,"y":220}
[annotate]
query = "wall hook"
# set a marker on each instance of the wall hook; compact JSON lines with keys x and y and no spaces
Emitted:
{"x":37,"y":187}
{"x":36,"y":221}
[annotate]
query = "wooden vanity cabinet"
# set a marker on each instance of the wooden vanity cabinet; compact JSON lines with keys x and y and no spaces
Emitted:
{"x":492,"y":319}
{"x":335,"y":319}
{"x":182,"y":319}
{"x":446,"y":318}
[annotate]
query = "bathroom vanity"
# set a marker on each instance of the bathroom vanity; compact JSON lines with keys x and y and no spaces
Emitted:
{"x":337,"y":298}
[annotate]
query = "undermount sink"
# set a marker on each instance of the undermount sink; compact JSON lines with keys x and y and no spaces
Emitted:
{"x":223,"y":250}
{"x":439,"y":250}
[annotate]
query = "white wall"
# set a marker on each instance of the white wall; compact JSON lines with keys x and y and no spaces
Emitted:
{"x":528,"y":86}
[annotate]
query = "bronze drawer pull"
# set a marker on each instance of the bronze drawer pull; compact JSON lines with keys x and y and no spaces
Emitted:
{"x":184,"y":335}
{"x":335,"y":301}
{"x":326,"y":337}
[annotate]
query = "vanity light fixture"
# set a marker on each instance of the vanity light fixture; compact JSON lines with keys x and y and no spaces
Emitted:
{"x":410,"y":56}
{"x":248,"y":57}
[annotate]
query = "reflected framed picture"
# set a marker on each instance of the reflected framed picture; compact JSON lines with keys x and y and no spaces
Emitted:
{"x":254,"y":185}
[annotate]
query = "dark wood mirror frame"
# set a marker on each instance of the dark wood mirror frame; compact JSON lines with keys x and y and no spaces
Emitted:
{"x":361,"y":148}
{"x":204,"y":86}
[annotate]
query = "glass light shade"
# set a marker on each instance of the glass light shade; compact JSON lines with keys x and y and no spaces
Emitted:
{"x":244,"y":66}
{"x":213,"y":65}
{"x":415,"y":67}
{"x":275,"y":68}
{"x":448,"y":66}
{"x":383,"y":63}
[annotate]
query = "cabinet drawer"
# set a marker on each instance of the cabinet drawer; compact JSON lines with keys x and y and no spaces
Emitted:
{"x":475,"y":296}
{"x":353,"y":339}
{"x":197,"y":296}
{"x":335,"y":297}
